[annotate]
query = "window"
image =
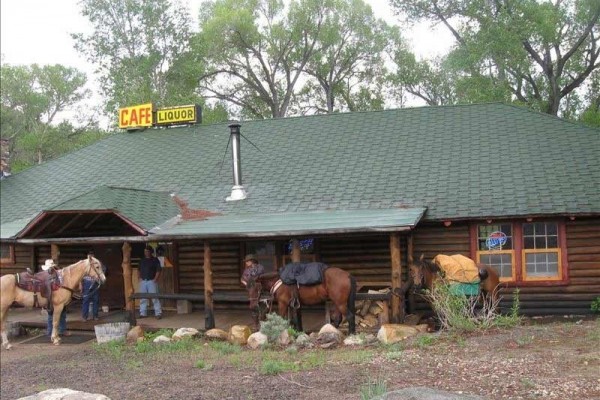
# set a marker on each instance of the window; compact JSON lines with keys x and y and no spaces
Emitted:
{"x":522,"y":251}
{"x":7,"y":254}
{"x":265,"y":252}
{"x":541,"y":251}
{"x":307,"y":251}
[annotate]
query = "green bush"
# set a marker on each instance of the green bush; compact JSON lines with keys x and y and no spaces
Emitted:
{"x":596,"y":305}
{"x":373,"y":388}
{"x":274,"y":326}
{"x":274,"y":367}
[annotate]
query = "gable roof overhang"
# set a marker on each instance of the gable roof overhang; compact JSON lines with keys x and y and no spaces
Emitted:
{"x":63,"y":224}
{"x":247,"y":226}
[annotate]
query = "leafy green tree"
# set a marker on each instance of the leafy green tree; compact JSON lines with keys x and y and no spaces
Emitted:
{"x":348,"y":61}
{"x":536,"y":52}
{"x":257,"y":51}
{"x":141,"y":51}
{"x":31,"y":98}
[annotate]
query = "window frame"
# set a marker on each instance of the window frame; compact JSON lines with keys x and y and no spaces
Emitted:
{"x":10,"y":260}
{"x":520,"y":277}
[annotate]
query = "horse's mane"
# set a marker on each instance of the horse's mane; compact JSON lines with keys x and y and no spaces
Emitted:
{"x":431,"y":266}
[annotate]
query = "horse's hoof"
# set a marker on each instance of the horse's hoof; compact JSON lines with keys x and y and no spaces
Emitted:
{"x":7,"y":346}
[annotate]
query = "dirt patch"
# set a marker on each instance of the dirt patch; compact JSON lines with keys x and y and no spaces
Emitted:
{"x":549,"y":360}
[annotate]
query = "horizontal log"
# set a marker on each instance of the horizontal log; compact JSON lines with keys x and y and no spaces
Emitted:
{"x":584,"y":257}
{"x":552,"y":296}
{"x":555,"y":289}
{"x":217,"y":296}
{"x":584,"y":250}
{"x":550,"y":311}
{"x":584,"y":265}
{"x":584,"y":273}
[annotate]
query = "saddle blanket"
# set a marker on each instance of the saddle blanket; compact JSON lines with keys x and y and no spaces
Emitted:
{"x":302,"y":274}
{"x":458,"y":268}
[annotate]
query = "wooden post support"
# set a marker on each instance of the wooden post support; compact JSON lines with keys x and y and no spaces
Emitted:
{"x":410,"y":259}
{"x":209,"y":312}
{"x":127,"y":276}
{"x":296,"y":250}
{"x":54,"y":252}
{"x":397,"y":313}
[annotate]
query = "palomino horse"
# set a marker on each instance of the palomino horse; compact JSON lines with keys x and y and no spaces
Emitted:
{"x":70,"y":278}
{"x":424,"y":274}
{"x":337,"y":285}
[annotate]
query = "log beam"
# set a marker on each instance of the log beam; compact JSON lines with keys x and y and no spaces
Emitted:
{"x":127,"y":277}
{"x":296,"y":252}
{"x":397,"y":313}
{"x":209,"y":312}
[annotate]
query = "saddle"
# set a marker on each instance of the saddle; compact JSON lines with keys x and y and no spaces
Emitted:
{"x":303,"y":274}
{"x":42,"y":282}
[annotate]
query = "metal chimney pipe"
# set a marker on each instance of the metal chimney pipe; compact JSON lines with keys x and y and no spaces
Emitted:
{"x":235,"y":153}
{"x":237,"y":191}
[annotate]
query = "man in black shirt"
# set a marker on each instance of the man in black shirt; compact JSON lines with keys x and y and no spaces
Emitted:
{"x":149,"y":272}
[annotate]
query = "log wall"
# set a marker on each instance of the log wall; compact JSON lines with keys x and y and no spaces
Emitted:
{"x":23,"y":259}
{"x":225,"y":266}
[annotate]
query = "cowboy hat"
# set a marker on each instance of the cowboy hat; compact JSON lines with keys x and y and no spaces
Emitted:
{"x":250,"y":257}
{"x":48,"y":264}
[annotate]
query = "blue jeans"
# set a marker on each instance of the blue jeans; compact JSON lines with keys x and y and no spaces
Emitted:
{"x":91,"y":294}
{"x":149,"y":287}
{"x":62,"y":323}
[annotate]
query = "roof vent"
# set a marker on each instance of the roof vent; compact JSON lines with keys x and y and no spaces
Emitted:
{"x":237,"y":191}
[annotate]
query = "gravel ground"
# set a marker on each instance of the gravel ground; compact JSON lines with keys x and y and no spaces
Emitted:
{"x":540,"y":360}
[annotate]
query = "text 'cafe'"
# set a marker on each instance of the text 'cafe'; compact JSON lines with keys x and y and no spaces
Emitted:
{"x":144,"y":116}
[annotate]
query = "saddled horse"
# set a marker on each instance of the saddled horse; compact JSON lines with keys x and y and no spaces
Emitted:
{"x":425,"y":274}
{"x":337,"y":285}
{"x":70,"y":278}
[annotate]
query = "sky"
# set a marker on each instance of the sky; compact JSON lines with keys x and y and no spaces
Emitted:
{"x":38,"y":31}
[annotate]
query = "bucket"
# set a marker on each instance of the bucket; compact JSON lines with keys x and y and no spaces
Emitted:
{"x":112,"y":331}
{"x":104,"y":309}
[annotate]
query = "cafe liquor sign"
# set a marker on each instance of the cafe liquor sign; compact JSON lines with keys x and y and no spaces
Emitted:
{"x":140,"y":116}
{"x":144,"y":116}
{"x":178,"y":115}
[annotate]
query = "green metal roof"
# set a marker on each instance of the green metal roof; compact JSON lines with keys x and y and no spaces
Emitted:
{"x":146,"y":209}
{"x":309,"y":222}
{"x":10,"y":229}
{"x":459,"y":162}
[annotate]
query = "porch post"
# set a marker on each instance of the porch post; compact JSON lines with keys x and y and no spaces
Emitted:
{"x":127,"y":276}
{"x":396,"y":258}
{"x":209,"y":312}
{"x":410,"y":260}
{"x":296,"y":251}
{"x":54,"y":252}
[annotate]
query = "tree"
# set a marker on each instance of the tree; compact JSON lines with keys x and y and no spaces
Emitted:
{"x":257,"y":51}
{"x":347,"y":63}
{"x":540,"y":52}
{"x":31,"y":98}
{"x":141,"y":50}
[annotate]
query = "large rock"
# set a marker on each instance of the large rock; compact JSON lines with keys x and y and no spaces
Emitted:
{"x":424,"y":393}
{"x":216,"y":334}
{"x":65,"y":394}
{"x":135,"y":334}
{"x":257,"y":339}
{"x":329,"y":334}
{"x":161,"y":339}
{"x":183,"y":333}
{"x":284,"y":338}
{"x":303,"y":340}
{"x":239,"y":334}
{"x":392,"y":333}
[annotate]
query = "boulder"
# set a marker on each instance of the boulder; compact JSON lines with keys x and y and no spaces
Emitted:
{"x":184,"y":332}
{"x":239,"y":334}
{"x":161,"y":339}
{"x":257,"y":340}
{"x":216,"y":334}
{"x":392,"y":333}
{"x":303,"y":340}
{"x":65,"y":394}
{"x":329,"y":334}
{"x":355,"y":340}
{"x":135,"y":334}
{"x":284,"y":338}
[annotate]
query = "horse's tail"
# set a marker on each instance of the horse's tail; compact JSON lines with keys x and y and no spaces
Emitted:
{"x":351,"y":306}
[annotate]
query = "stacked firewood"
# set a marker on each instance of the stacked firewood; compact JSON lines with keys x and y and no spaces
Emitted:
{"x":372,"y":313}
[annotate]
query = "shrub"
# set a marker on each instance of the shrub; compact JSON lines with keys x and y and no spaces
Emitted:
{"x":372,"y":389}
{"x":274,"y":367}
{"x":273,"y":326}
{"x":595,"y":307}
{"x":461,"y":313}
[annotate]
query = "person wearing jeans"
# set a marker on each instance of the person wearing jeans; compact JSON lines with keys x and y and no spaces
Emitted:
{"x":62,"y":323}
{"x":91,"y":295}
{"x":149,"y":274}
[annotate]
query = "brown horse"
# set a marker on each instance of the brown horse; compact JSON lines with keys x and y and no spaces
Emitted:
{"x":337,"y":285}
{"x":70,"y":278}
{"x":424,"y":275}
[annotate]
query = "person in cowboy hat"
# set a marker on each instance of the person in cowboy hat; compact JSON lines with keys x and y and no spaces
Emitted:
{"x":51,"y":268}
{"x":252,"y":268}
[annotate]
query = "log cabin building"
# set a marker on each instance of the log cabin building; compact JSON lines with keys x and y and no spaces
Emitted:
{"x":364,"y":191}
